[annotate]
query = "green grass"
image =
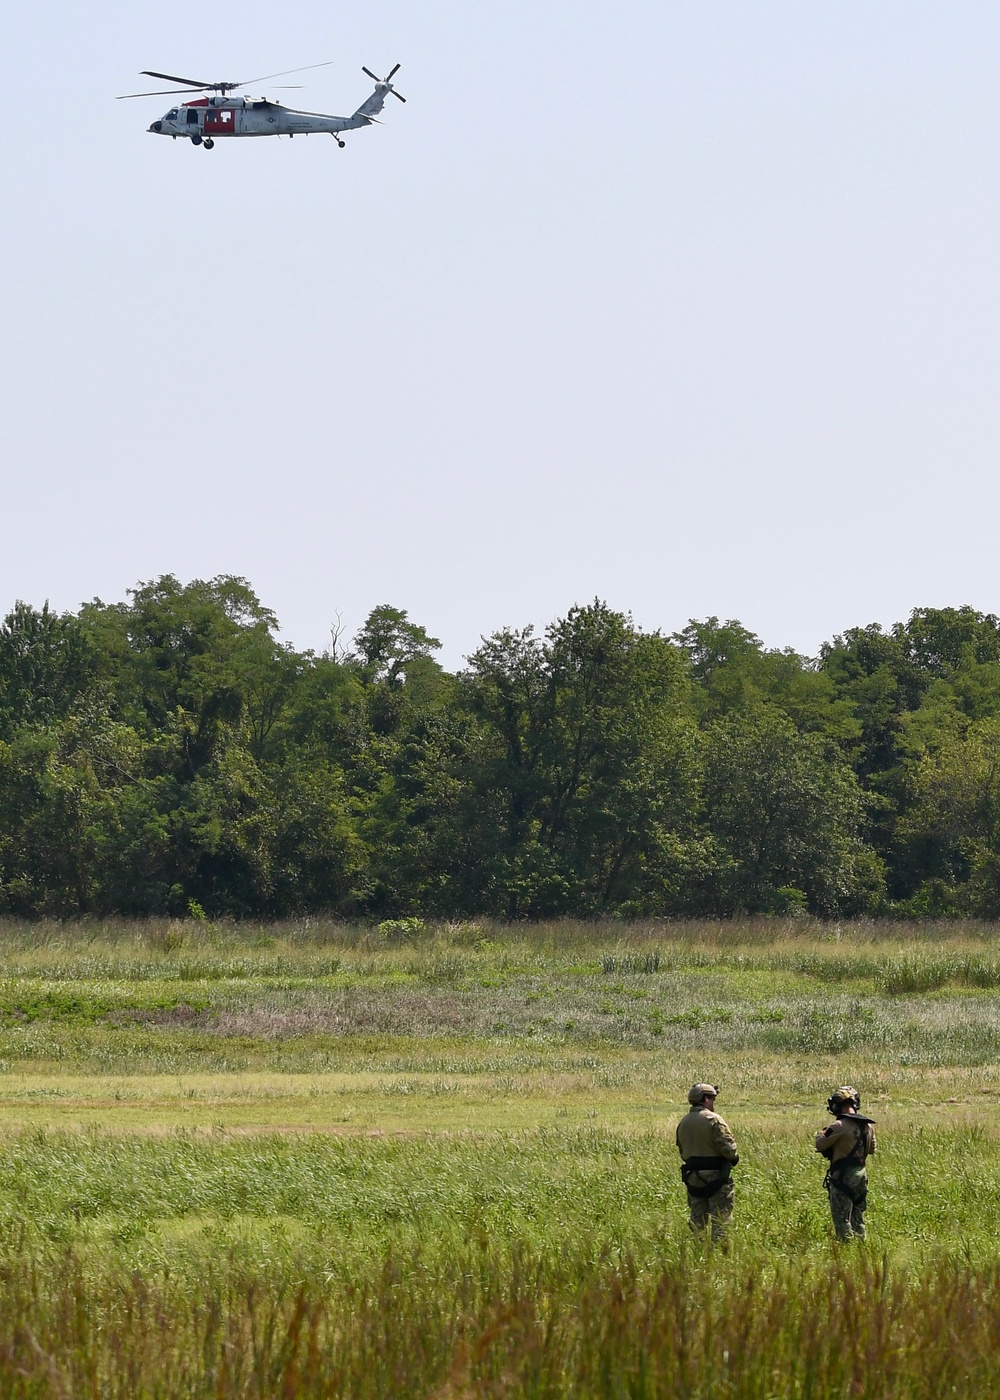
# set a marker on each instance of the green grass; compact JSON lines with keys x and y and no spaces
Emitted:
{"x":345,"y":1199}
{"x":319,"y":1160}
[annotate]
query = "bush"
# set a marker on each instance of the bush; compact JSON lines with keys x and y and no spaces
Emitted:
{"x":402,"y":930}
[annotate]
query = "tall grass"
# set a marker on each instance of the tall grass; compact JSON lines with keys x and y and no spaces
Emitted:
{"x":492,"y":1324}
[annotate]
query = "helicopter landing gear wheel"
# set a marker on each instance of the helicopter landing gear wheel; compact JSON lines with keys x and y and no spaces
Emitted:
{"x":209,"y":143}
{"x":195,"y":140}
{"x":341,"y":144}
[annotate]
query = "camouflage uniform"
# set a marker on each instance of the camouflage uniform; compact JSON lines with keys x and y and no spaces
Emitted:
{"x":850,"y":1137}
{"x":701,"y":1134}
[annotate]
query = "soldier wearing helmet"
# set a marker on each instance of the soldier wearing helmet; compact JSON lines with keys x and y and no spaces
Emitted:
{"x":847,"y":1144}
{"x":708,"y":1155}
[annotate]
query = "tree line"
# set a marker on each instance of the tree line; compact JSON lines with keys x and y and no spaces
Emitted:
{"x":168,"y":754}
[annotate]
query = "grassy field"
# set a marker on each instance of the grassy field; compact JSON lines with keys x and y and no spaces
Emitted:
{"x":324,"y":1160}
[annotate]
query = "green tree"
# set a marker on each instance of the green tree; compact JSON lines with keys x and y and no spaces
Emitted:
{"x":584,"y":768}
{"x":392,"y":649}
{"x":733,"y":671}
{"x":194,"y":664}
{"x":951,"y":833}
{"x":46,"y":663}
{"x":59,"y":788}
{"x":785,"y":813}
{"x":910,"y":687}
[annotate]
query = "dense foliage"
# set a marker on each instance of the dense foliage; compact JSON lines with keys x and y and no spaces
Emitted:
{"x":169,"y":755}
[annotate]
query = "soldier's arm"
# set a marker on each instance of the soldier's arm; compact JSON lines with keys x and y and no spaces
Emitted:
{"x":872,"y":1145}
{"x":825,"y":1139}
{"x":725,"y":1143}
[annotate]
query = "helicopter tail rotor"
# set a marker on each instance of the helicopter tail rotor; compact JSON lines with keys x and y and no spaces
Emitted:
{"x":385,"y":83}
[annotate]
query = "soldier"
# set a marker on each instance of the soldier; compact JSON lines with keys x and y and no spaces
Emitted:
{"x":847,"y":1144}
{"x":708,"y":1155}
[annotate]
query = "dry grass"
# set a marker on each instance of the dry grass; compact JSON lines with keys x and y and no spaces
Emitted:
{"x":503,"y":1326}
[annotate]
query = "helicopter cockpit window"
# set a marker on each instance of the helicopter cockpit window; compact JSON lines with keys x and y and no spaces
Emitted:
{"x":192,"y":117}
{"x":171,"y":115}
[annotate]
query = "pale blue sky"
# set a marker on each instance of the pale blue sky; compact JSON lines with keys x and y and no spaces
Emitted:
{"x":692,"y":306}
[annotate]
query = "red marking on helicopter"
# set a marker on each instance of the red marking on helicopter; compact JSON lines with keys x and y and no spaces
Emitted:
{"x":220,"y":121}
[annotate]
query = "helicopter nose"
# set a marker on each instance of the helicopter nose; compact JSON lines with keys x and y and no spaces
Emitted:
{"x":157,"y":126}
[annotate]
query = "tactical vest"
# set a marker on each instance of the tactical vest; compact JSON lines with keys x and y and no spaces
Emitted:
{"x":858,"y":1155}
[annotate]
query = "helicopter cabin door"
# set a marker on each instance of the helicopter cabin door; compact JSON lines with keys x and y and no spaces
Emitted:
{"x":220,"y":121}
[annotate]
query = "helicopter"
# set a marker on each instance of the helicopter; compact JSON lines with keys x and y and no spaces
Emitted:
{"x":204,"y":119}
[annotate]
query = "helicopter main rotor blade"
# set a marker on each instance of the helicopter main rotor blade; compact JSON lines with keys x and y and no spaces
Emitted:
{"x":162,"y":92}
{"x":395,"y":70}
{"x":286,"y":72}
{"x":170,"y":78}
{"x":370,"y":74}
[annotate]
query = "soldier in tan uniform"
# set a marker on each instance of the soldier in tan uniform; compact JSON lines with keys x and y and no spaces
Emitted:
{"x":708,"y":1155}
{"x":847,"y":1144}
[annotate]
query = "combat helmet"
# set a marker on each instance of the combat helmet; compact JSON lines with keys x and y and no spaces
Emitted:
{"x":841,"y":1097}
{"x":699,"y":1091}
